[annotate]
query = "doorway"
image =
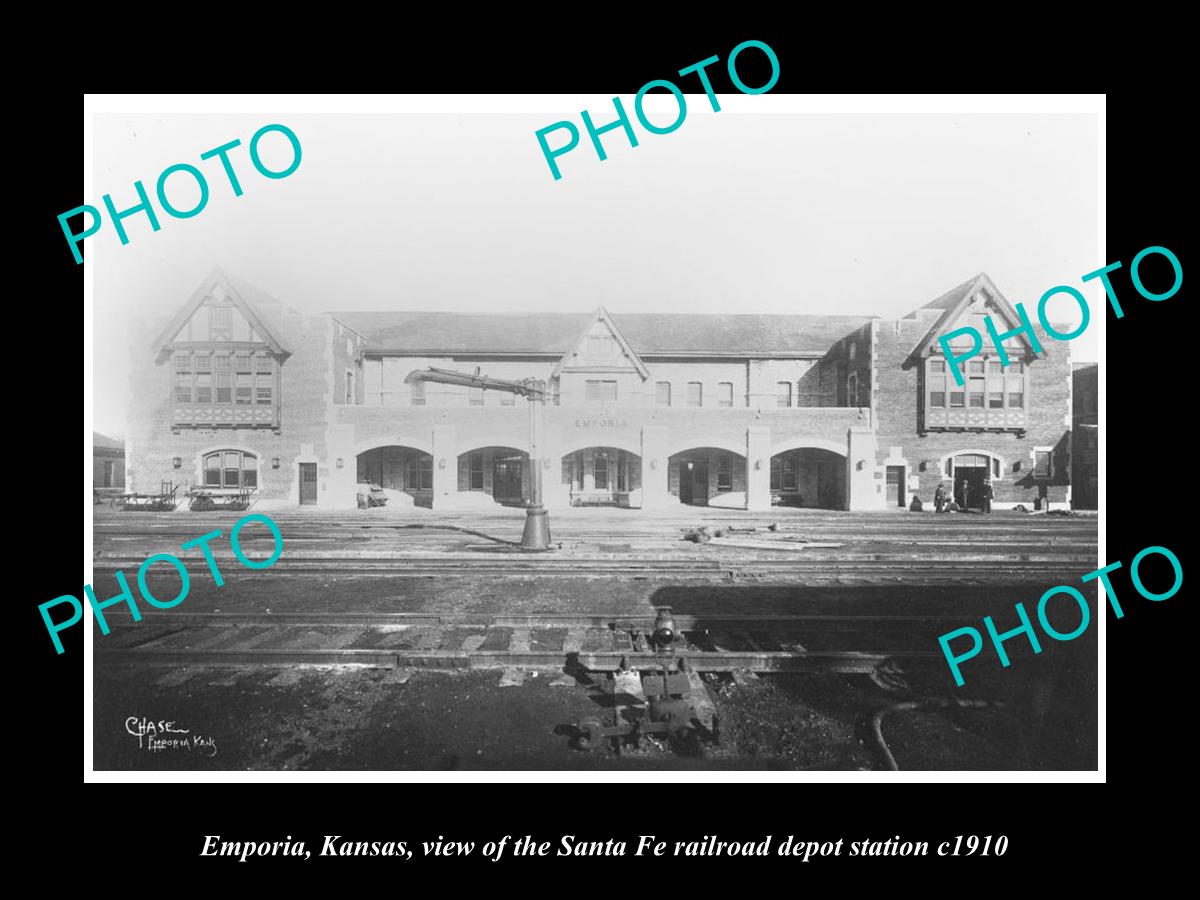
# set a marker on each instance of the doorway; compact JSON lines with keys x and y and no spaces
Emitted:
{"x":895,"y":484}
{"x":506,"y":479}
{"x":308,"y":484}
{"x":693,"y":482}
{"x":968,"y":486}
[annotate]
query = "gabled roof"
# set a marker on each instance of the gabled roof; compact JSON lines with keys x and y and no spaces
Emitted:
{"x":104,"y":442}
{"x":553,"y":334}
{"x":250,"y":301}
{"x":953,"y":302}
{"x":602,"y":315}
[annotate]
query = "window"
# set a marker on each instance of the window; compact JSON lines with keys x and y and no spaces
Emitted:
{"x":788,"y":473}
{"x":263,"y":389}
{"x":937,"y":364}
{"x":937,"y":391}
{"x":476,"y":472}
{"x":995,"y":467}
{"x":507,"y":399}
{"x":475,"y":396}
{"x":776,"y":473}
{"x":725,"y":393}
{"x":204,"y":387}
{"x":1042,"y":464}
{"x":578,"y":467}
{"x":995,"y":386}
{"x":418,"y":475}
{"x":349,"y":387}
{"x":852,"y":389}
{"x":975,"y":367}
{"x":994,"y":367}
{"x":662,"y":393}
{"x":418,"y":393}
{"x":262,"y":364}
{"x":724,"y":473}
{"x":183,"y":387}
{"x":600,"y":345}
{"x":783,"y":393}
{"x":622,"y":471}
{"x":975,"y":391}
{"x":244,"y":389}
{"x":244,"y":363}
{"x":220,"y":323}
{"x":957,"y":395}
{"x":695,"y":393}
{"x":600,"y":470}
{"x":600,"y":391}
{"x":203,"y":362}
{"x":853,"y":351}
{"x":223,"y":379}
{"x":230,"y":469}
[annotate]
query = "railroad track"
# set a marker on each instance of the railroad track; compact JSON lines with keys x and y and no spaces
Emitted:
{"x":547,"y":642}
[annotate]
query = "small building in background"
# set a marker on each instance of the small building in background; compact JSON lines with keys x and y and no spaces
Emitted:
{"x":1085,"y":425}
{"x":108,"y":462}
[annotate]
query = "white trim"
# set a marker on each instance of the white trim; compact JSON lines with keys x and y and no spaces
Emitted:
{"x":942,"y":473}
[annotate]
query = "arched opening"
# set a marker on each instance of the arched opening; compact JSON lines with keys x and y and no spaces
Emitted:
{"x":402,"y":472}
{"x":708,"y":476}
{"x":603,"y":476}
{"x":500,"y":472}
{"x":967,"y":473}
{"x":810,"y":477}
{"x":230,"y":470}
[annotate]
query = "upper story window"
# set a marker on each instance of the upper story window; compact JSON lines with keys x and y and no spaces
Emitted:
{"x":600,"y":391}
{"x":662,"y":393}
{"x":695,"y":393}
{"x":852,"y":389}
{"x":725,"y":393}
{"x":853,"y":353}
{"x":221,"y":379}
{"x":600,"y":345}
{"x":418,"y":393}
{"x":991,"y":396}
{"x":783,"y":393}
{"x":220,"y":319}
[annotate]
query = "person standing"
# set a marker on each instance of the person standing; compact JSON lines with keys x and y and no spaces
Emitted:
{"x":939,"y":497}
{"x":988,"y":495}
{"x":966,"y":495}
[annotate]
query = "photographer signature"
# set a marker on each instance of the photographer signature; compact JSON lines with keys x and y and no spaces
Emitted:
{"x":160,"y":735}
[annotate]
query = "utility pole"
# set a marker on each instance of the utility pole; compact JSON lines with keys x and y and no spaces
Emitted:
{"x":537,"y":521}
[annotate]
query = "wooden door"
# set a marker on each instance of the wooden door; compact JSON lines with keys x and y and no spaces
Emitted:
{"x":308,"y":484}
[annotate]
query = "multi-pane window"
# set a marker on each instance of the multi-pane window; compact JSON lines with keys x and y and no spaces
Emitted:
{"x":783,"y":472}
{"x":724,"y":473}
{"x":418,"y":393}
{"x":418,"y":474}
{"x":600,"y":391}
{"x":695,"y":394}
{"x":937,"y":382}
{"x":987,"y":384}
{"x":223,"y":377}
{"x":475,"y":396}
{"x":230,"y":469}
{"x":1016,"y":386}
{"x":600,"y":345}
{"x":975,"y":391}
{"x":662,"y":393}
{"x":476,"y":472}
{"x":725,"y":393}
{"x":600,"y":471}
{"x":220,"y":323}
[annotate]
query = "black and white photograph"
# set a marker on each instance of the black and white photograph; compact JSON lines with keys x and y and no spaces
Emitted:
{"x":461,"y":436}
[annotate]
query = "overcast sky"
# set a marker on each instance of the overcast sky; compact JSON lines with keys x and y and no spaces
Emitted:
{"x":850,"y":214}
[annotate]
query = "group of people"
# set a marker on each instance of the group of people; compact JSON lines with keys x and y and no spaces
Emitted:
{"x":943,"y":502}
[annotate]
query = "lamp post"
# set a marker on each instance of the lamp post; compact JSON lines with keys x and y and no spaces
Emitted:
{"x":537,"y":521}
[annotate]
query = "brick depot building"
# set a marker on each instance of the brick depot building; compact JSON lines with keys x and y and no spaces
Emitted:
{"x":644,"y":410}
